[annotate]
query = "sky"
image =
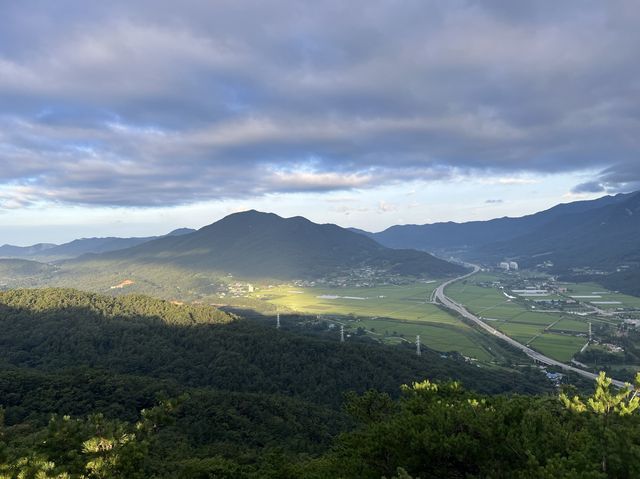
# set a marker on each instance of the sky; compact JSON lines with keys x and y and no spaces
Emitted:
{"x":135,"y":117}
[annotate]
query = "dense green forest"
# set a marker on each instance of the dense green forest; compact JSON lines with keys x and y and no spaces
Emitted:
{"x":433,"y":430}
{"x":442,"y":431}
{"x":101,"y":387}
{"x":248,"y":393}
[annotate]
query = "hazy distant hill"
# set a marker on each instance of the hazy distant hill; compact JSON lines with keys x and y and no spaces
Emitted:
{"x":179,"y":232}
{"x":474,"y":234}
{"x":75,"y":248}
{"x":11,"y":251}
{"x":94,"y":245}
{"x":255,"y":244}
{"x":19,"y":268}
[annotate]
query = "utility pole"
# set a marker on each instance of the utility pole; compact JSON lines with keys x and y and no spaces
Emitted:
{"x":590,"y":331}
{"x":418,"y":352}
{"x":278,"y":321}
{"x":342,"y":333}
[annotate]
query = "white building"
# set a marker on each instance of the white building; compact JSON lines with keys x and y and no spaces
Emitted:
{"x":504,"y":265}
{"x":513,"y":265}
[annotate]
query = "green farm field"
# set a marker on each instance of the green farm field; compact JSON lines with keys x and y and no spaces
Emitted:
{"x":389,"y":313}
{"x":553,"y":334}
{"x":571,"y":325}
{"x":602,"y":298}
{"x":441,"y":337}
{"x":398,"y":302}
{"x":559,"y":346}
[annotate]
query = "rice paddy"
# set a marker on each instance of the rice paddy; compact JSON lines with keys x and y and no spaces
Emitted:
{"x":389,"y":313}
{"x":555,"y":334}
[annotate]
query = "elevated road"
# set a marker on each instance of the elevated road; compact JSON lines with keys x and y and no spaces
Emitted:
{"x":440,"y":297}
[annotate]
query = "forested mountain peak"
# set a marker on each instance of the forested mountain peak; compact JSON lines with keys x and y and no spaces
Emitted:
{"x":256,"y":244}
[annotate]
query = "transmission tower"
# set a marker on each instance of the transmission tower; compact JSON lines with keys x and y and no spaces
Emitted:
{"x":278,"y":321}
{"x":342,"y":333}
{"x":418,"y":352}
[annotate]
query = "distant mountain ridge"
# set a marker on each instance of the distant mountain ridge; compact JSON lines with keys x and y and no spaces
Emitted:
{"x":582,"y":239}
{"x":11,"y":251}
{"x":473,"y":234}
{"x":602,"y":238}
{"x":255,"y":244}
{"x":78,"y":247}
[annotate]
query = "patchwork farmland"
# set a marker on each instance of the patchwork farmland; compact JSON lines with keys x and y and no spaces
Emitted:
{"x":391,"y":314}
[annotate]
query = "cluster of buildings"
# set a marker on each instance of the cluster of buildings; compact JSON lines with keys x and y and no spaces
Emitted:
{"x":236,"y":289}
{"x":508,"y":265}
{"x":366,"y":277}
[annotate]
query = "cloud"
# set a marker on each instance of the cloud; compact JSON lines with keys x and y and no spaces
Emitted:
{"x":315,"y":181}
{"x":619,"y":178}
{"x":143,"y":103}
{"x":348,"y":210}
{"x":588,"y":187}
{"x":509,"y":180}
{"x":494,"y":202}
{"x":384,"y":207}
{"x":13,"y":197}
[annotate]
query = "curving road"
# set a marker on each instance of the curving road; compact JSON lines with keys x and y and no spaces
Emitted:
{"x":438,"y":295}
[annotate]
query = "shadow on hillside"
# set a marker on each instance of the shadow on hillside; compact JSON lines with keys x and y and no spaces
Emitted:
{"x":249,"y":356}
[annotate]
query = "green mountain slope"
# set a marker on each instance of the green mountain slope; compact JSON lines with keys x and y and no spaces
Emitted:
{"x":56,"y":329}
{"x":475,"y":234}
{"x":254,"y":244}
{"x":23,"y":267}
{"x":247,"y":391}
{"x":626,"y":281}
{"x":10,"y":251}
{"x":24,"y":273}
{"x":602,"y":238}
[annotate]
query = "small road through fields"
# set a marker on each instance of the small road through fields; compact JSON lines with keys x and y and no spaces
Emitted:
{"x":440,"y":297}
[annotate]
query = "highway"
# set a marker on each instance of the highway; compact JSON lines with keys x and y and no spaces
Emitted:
{"x":448,"y":303}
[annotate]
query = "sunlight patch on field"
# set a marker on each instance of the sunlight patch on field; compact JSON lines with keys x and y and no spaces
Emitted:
{"x":391,"y":314}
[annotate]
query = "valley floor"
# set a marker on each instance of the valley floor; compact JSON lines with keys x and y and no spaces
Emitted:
{"x":391,"y":314}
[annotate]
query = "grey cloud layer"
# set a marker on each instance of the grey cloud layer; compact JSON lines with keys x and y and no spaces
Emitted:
{"x":154,"y":102}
